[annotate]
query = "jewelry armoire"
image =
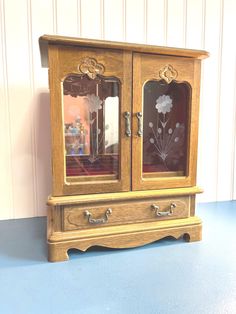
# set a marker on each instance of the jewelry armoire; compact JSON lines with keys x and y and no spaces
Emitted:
{"x":124,"y":125}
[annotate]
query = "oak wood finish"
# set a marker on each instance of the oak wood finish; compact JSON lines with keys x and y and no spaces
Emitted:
{"x":132,"y":220}
{"x":146,"y":67}
{"x":45,"y":40}
{"x":63,"y":61}
{"x":124,"y":212}
{"x":124,"y":236}
{"x":123,"y":196}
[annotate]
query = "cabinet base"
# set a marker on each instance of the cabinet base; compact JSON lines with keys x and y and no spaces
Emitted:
{"x":119,"y":237}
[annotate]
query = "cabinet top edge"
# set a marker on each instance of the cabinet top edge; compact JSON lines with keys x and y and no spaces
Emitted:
{"x":45,"y":40}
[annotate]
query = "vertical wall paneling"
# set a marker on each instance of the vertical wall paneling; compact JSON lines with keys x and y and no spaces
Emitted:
{"x":40,"y":102}
{"x":194,"y":24}
{"x":226,"y":122}
{"x":135,"y":21}
{"x":67,"y":14}
{"x":102,"y":18}
{"x":32,"y":89}
{"x":156,"y":22}
{"x":54,"y":16}
{"x":165,"y":21}
{"x":79,"y":18}
{"x":185,"y":8}
{"x":201,"y":131}
{"x":234,"y":132}
{"x":113,"y":20}
{"x":25,"y":165}
{"x":220,"y":48}
{"x":18,"y":71}
{"x":6,"y":210}
{"x":208,"y":161}
{"x":124,"y":19}
{"x":91,"y":19}
{"x":145,"y":18}
{"x":176,"y":26}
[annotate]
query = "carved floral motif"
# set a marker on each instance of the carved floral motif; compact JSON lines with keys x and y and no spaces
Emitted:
{"x":91,"y":67}
{"x":168,"y":73}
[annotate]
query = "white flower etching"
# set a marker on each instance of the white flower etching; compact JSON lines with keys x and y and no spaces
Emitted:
{"x":164,"y":104}
{"x":166,"y":139}
{"x":167,"y":142}
{"x":94,"y":103}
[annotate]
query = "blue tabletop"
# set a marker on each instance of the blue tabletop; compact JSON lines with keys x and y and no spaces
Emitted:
{"x":168,"y":276}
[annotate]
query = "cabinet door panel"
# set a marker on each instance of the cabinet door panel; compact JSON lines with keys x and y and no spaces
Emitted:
{"x":90,"y":93}
{"x":165,"y":121}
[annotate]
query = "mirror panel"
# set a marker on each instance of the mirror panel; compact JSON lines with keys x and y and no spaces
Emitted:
{"x":91,"y":126}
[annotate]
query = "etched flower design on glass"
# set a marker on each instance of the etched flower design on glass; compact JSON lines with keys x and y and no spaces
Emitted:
{"x":94,"y":103}
{"x":164,"y":104}
{"x":166,"y":139}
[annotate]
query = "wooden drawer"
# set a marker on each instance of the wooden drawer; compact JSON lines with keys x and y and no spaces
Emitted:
{"x":80,"y":217}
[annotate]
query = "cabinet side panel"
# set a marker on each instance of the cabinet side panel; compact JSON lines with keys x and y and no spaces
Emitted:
{"x":194,"y":122}
{"x":192,"y":205}
{"x":56,"y":122}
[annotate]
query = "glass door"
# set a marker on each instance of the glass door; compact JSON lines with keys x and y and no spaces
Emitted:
{"x":162,"y":123}
{"x":90,"y":98}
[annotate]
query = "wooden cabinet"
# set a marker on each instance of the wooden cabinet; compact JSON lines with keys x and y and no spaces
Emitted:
{"x":124,"y":121}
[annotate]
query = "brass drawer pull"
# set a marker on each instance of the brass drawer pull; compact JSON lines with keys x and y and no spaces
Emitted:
{"x":127,"y":123}
{"x":161,"y":214}
{"x":98,"y":221}
{"x":140,"y":125}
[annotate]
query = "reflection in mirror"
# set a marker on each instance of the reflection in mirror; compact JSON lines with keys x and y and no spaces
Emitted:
{"x":91,"y":126}
{"x":165,"y":108}
{"x":111,"y":135}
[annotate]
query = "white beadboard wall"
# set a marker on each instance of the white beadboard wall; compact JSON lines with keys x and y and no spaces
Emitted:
{"x":25,"y":177}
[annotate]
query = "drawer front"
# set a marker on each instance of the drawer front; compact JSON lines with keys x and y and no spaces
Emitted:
{"x":80,"y":217}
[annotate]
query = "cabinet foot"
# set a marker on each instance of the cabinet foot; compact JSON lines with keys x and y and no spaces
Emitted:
{"x":193,"y":235}
{"x":57,"y":252}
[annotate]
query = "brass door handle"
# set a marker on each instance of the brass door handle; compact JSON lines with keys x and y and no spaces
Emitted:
{"x":127,"y":124}
{"x":170,"y":212}
{"x":139,"y":115}
{"x":98,"y":221}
